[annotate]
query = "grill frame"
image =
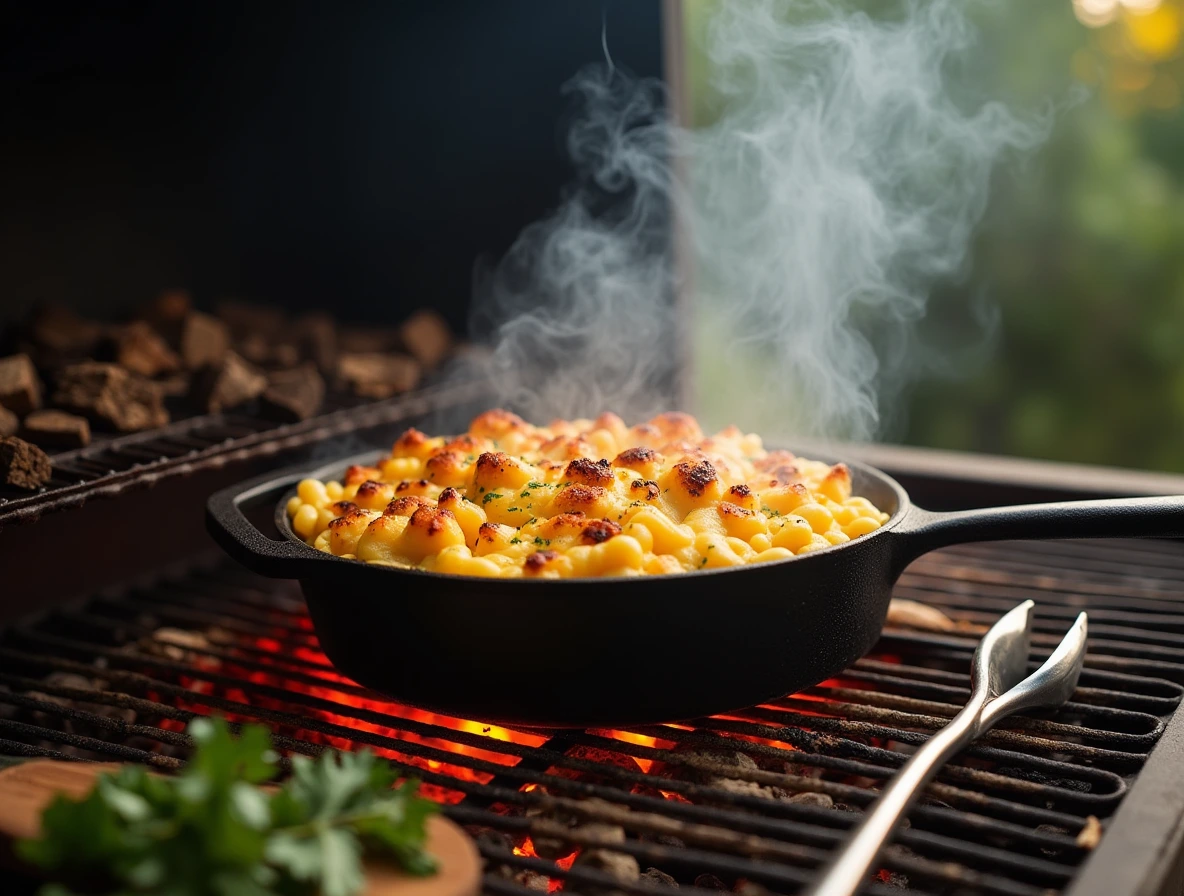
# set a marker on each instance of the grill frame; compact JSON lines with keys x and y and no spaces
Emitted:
{"x":1140,"y":851}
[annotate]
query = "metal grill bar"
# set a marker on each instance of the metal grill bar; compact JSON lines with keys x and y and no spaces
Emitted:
{"x":760,"y":796}
{"x":111,"y":467}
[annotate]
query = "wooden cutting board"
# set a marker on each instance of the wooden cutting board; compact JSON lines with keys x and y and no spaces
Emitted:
{"x":27,"y":788}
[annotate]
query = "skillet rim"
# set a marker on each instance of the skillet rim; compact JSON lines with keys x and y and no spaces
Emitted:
{"x":284,"y":525}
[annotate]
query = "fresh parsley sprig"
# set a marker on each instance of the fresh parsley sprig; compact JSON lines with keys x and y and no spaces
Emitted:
{"x":213,"y":831}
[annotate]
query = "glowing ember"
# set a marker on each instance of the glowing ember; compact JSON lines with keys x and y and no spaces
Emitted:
{"x":526,"y":850}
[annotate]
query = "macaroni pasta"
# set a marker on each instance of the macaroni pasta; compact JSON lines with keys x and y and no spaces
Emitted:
{"x":581,"y":498}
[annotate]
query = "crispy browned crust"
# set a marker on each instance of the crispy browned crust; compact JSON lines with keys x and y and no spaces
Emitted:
{"x":358,"y":474}
{"x":465,"y":444}
{"x":563,"y":524}
{"x":569,"y":447}
{"x":633,"y":457}
{"x":538,"y":561}
{"x":495,"y":423}
{"x":450,"y":496}
{"x":341,"y":508}
{"x":431,"y":519}
{"x":676,"y":424}
{"x":648,"y":486}
{"x":695,"y":477}
{"x":589,"y":472}
{"x":578,"y":497}
{"x":492,"y":462}
{"x":406,"y":505}
{"x":407,"y":483}
{"x":444,"y":463}
{"x":350,"y":519}
{"x":599,"y":531}
{"x":372,"y":488}
{"x":728,"y":509}
{"x":774,"y":459}
{"x":488,"y":532}
{"x":740,"y":491}
{"x":410,"y":440}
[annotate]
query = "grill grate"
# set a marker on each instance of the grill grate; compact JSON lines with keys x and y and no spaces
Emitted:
{"x":749,"y":802}
{"x":115,"y":465}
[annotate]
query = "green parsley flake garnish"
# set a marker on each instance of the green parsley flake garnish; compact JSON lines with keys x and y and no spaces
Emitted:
{"x":533,"y":484}
{"x":511,"y":510}
{"x":489,"y":497}
{"x":212,"y":830}
{"x":515,"y":540}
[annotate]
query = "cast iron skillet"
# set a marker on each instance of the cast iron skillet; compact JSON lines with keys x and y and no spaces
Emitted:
{"x":628,"y":651}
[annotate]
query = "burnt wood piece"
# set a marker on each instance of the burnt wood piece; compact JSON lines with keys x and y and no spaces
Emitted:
{"x":293,"y":395}
{"x":264,"y":350}
{"x":227,"y":385}
{"x":167,"y":313}
{"x":316,"y":337}
{"x":142,"y":350}
{"x":56,"y":429}
{"x":20,"y":390}
{"x":60,"y":336}
{"x":9,"y":422}
{"x":204,"y":341}
{"x":368,"y":340}
{"x":23,"y":465}
{"x":245,"y":320}
{"x":175,"y":385}
{"x":375,"y":375}
{"x":111,"y":396}
{"x":426,"y":337}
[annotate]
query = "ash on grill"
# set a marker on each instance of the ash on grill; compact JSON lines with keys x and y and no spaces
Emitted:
{"x":751,"y":802}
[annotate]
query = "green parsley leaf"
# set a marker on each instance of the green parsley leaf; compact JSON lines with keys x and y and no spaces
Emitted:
{"x":489,"y":497}
{"x":515,"y":540}
{"x":212,"y":831}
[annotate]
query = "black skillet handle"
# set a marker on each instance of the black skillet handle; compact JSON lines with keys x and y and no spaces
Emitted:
{"x":922,"y":530}
{"x":239,"y":537}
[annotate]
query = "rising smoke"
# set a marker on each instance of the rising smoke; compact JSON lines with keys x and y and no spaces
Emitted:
{"x":840,"y":183}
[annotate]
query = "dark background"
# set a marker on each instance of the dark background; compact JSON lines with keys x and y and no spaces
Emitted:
{"x":355,"y":156}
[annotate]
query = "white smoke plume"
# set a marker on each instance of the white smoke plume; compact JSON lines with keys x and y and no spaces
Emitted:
{"x":842,"y":181}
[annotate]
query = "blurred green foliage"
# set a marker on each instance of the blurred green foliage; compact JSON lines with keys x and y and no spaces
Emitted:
{"x":1081,"y":253}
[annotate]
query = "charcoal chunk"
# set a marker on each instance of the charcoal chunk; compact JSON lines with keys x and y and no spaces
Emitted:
{"x":20,"y":390}
{"x":23,"y":465}
{"x":61,"y":336}
{"x":368,"y":340}
{"x":9,"y":422}
{"x":374,"y":375}
{"x":204,"y":341}
{"x":293,"y":395}
{"x":227,"y":385}
{"x":167,"y":313}
{"x":56,"y":429}
{"x":426,"y":337}
{"x":316,"y":337}
{"x":108,"y":395}
{"x":259,"y":349}
{"x":142,"y":350}
{"x":661,"y":878}
{"x":245,"y":319}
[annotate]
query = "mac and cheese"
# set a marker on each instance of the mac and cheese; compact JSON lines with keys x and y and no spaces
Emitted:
{"x":581,"y":498}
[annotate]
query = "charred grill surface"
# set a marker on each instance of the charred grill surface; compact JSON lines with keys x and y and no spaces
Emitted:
{"x":750,"y":803}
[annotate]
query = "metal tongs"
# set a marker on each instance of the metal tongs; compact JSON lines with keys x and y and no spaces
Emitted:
{"x":999,"y":689}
